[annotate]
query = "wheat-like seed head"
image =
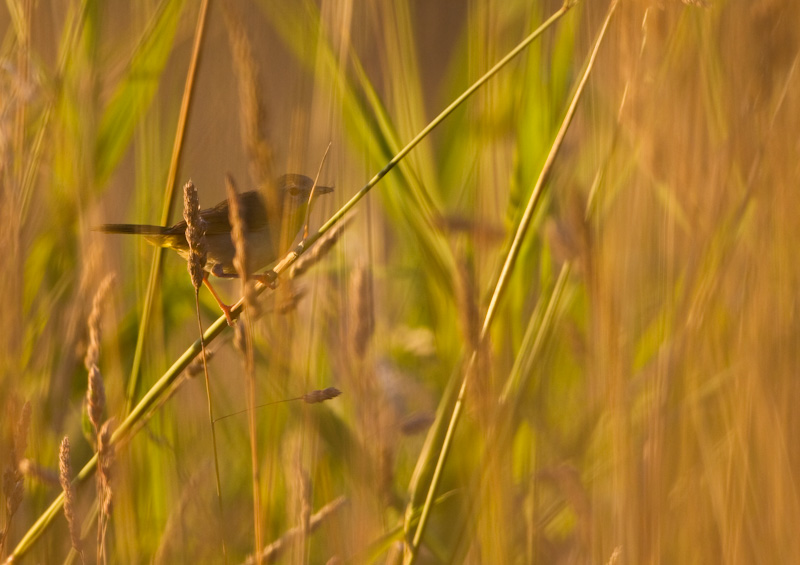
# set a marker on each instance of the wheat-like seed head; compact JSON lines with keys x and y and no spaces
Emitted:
{"x":195,"y":234}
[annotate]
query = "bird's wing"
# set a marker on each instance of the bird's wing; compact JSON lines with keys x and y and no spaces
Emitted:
{"x":250,"y":205}
{"x":217,"y":221}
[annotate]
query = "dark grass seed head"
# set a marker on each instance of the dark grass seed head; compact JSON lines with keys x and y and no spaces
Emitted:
{"x":195,"y":234}
{"x":317,"y":396}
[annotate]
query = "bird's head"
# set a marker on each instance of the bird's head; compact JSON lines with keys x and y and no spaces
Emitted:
{"x":294,"y":191}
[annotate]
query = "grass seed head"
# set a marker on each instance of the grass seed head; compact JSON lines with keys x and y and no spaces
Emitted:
{"x":195,"y":234}
{"x":70,"y":510}
{"x":317,"y":396}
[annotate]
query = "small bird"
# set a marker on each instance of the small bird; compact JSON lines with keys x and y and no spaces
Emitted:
{"x":262,"y":232}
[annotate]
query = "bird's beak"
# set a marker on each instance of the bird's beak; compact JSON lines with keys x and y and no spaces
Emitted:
{"x":323,"y":189}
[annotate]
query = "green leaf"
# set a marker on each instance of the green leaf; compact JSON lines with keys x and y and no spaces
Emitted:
{"x":136,"y":90}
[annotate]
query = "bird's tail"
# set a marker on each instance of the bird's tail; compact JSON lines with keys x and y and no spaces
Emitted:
{"x":156,"y":235}
{"x":133,"y":229}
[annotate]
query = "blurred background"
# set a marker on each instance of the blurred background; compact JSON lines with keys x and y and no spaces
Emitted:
{"x":633,"y":401}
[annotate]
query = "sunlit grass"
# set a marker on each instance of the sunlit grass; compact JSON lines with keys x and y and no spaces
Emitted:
{"x":634,"y":399}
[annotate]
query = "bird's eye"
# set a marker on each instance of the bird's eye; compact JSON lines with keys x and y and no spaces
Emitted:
{"x":294,"y":190}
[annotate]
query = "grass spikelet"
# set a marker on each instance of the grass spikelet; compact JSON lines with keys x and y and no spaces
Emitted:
{"x":195,"y":234}
{"x":95,"y":397}
{"x":317,"y":396}
{"x":196,"y":367}
{"x":240,"y":262}
{"x":252,"y":114}
{"x":105,"y":454}
{"x":93,"y":349}
{"x":105,"y":449}
{"x":70,"y":510}
{"x":467,"y":301}
{"x":96,"y":390}
{"x":362,"y":316}
{"x":320,"y":249}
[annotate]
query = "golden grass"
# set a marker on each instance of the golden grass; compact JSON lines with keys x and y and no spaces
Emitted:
{"x":633,"y":398}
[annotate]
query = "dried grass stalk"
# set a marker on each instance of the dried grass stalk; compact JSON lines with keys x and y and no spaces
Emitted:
{"x":95,"y":397}
{"x":252,"y":114}
{"x":240,"y":262}
{"x":96,"y":391}
{"x":321,"y":248}
{"x":105,"y":457}
{"x":93,"y":349}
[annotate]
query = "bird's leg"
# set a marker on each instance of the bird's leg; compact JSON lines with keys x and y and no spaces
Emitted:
{"x":224,"y":307}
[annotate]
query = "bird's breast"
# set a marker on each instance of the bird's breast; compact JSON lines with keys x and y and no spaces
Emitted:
{"x":221,"y":251}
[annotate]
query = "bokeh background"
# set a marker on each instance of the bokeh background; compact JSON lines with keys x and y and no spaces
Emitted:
{"x":634,"y":400}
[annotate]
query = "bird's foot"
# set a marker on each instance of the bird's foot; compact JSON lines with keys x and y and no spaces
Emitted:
{"x":227,"y":311}
{"x":224,"y":307}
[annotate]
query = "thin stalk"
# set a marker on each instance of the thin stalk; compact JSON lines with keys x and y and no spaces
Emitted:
{"x":250,"y":375}
{"x":211,"y":423}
